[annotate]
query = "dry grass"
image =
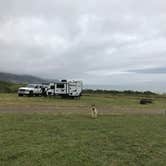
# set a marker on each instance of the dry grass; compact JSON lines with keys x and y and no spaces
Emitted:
{"x":106,"y":104}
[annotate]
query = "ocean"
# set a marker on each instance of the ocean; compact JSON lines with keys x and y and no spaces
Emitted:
{"x":152,"y":88}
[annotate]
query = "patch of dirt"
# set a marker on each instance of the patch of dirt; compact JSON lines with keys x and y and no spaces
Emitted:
{"x":74,"y":109}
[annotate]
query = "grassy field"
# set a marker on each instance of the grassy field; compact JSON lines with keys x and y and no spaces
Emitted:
{"x":106,"y":104}
{"x":48,"y":131}
{"x":46,"y":139}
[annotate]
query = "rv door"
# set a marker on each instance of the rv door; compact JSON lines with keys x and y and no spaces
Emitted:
{"x":61,"y":88}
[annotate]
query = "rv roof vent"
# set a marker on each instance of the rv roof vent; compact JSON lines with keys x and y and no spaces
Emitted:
{"x":63,"y":80}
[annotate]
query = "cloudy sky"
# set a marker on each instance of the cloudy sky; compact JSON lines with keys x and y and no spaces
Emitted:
{"x":99,"y":41}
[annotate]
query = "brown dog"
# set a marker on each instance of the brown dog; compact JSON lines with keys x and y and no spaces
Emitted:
{"x":94,"y":111}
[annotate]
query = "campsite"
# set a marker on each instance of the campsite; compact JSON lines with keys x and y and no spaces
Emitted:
{"x":82,"y":83}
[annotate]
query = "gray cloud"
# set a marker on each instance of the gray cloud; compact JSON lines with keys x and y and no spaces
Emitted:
{"x":161,"y":70}
{"x":100,"y":42}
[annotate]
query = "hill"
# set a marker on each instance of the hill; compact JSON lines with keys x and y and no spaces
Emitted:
{"x":15,"y":78}
{"x":8,"y":87}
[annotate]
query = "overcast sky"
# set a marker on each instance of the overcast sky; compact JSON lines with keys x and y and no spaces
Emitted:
{"x":99,"y":41}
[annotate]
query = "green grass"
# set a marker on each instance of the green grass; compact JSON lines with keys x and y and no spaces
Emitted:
{"x":9,"y":87}
{"x":67,"y":136}
{"x":46,"y":139}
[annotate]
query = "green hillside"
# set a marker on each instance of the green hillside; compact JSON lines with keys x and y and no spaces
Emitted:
{"x":15,"y":78}
{"x":8,"y":87}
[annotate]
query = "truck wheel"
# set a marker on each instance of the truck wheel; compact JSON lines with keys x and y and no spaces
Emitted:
{"x":30,"y":94}
{"x":20,"y":95}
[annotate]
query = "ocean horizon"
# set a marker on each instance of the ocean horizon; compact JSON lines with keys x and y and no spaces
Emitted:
{"x":151,"y":88}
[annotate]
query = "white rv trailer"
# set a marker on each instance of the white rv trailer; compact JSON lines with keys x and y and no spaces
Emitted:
{"x":65,"y":88}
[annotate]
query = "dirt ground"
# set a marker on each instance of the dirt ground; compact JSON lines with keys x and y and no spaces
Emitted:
{"x":11,"y":103}
{"x":73,"y":109}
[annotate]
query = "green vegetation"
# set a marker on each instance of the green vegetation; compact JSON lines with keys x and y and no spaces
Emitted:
{"x":116,"y":92}
{"x":8,"y":87}
{"x":46,"y":139}
{"x":52,"y":131}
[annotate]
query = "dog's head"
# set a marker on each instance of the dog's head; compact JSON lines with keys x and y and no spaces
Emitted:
{"x":92,"y":105}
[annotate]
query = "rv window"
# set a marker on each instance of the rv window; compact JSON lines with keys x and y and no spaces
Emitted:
{"x":52,"y":87}
{"x":60,"y":86}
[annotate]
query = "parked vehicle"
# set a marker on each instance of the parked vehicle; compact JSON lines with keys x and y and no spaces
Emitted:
{"x":32,"y":90}
{"x":65,"y":88}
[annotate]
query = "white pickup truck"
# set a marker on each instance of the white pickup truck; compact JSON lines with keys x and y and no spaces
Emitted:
{"x":31,"y":90}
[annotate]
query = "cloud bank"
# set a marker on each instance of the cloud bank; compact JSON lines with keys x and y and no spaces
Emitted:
{"x":100,"y":42}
